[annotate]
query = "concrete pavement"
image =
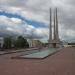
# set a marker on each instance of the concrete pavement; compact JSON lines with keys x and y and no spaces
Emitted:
{"x":61,"y":63}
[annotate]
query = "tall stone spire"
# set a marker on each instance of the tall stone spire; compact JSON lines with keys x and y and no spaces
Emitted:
{"x":57,"y":34}
{"x":54,"y":26}
{"x":50,"y":28}
{"x":54,"y":42}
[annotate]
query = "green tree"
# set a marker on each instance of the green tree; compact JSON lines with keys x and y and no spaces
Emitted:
{"x":21,"y":42}
{"x":7,"y":43}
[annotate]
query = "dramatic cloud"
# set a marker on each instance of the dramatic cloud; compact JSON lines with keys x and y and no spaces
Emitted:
{"x":16,"y":25}
{"x":38,"y":10}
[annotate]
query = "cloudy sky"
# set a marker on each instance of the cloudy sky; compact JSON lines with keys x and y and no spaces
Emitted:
{"x":30,"y":18}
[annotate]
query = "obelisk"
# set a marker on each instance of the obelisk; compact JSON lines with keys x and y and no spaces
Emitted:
{"x":54,"y":27}
{"x":50,"y":30}
{"x":55,"y":41}
{"x":57,"y":34}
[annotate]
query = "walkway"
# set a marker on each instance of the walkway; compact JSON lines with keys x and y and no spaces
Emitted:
{"x":61,"y":63}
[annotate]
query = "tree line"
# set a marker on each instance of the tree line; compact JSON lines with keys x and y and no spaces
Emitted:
{"x":18,"y":43}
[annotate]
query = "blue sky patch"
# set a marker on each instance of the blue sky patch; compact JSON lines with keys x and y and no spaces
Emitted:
{"x":31,"y":22}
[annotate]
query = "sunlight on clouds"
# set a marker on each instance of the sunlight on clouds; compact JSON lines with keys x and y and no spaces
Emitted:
{"x":16,"y":20}
{"x":10,"y":21}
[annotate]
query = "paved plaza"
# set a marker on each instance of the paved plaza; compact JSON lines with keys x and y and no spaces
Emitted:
{"x":60,"y":63}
